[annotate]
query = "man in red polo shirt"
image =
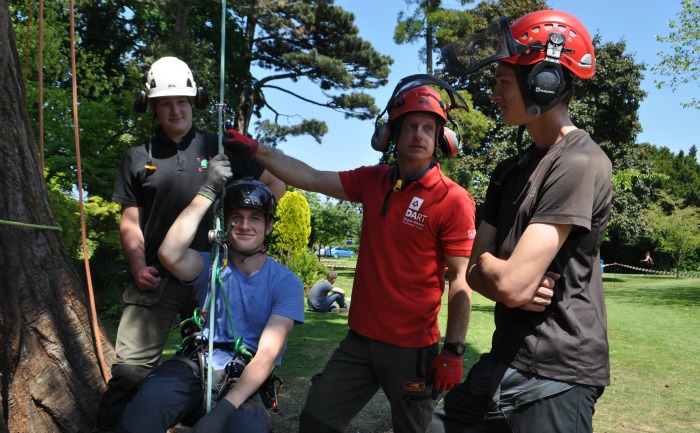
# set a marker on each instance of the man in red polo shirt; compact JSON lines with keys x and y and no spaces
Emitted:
{"x":416,"y":222}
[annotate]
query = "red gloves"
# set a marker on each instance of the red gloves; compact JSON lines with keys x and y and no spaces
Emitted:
{"x":239,"y":144}
{"x":448,"y":371}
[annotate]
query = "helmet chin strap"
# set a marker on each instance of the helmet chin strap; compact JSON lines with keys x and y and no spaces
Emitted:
{"x":245,"y":255}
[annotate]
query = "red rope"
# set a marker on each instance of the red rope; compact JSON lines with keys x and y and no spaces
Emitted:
{"x":26,"y":44}
{"x":41,"y":86}
{"x":93,"y":310}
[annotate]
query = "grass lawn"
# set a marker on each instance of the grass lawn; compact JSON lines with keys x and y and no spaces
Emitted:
{"x":653,"y":324}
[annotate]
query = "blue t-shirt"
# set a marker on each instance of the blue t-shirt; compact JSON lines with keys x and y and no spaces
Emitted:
{"x":274,"y":289}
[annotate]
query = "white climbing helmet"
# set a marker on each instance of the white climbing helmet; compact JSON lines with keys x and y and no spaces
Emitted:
{"x":170,"y":76}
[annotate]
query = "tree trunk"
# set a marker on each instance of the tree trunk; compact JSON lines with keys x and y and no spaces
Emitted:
{"x":50,"y":379}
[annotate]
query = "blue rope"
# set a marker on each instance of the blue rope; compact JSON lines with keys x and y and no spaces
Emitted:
{"x":215,"y":276}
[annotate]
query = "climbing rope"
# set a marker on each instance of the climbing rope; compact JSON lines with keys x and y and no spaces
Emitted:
{"x":218,"y":218}
{"x":41,"y":86}
{"x":30,"y":226}
{"x":26,"y":43}
{"x":86,"y":255}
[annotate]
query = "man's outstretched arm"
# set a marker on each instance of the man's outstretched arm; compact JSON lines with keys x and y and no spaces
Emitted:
{"x":288,"y":169}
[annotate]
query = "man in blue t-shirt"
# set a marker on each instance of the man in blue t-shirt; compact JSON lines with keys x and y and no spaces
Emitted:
{"x":256,"y":306}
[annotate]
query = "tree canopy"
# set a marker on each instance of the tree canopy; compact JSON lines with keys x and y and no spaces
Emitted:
{"x":681,"y":65}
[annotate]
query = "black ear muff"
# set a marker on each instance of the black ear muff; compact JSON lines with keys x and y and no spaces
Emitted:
{"x":545,"y":83}
{"x":141,"y":102}
{"x":380,"y":138}
{"x":449,"y":143}
{"x":201,"y":99}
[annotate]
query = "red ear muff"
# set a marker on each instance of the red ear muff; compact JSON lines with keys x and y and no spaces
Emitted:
{"x":380,"y":138}
{"x":449,"y":143}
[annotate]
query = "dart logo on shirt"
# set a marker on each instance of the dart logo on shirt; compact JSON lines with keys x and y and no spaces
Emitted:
{"x":413,"y":217}
{"x":416,"y":203}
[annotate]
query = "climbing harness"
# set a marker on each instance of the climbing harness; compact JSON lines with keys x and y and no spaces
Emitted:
{"x":193,"y":348}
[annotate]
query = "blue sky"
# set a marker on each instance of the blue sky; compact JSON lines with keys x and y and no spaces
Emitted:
{"x":347,"y":144}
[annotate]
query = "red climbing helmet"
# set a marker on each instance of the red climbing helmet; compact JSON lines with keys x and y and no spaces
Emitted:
{"x":418,"y":98}
{"x":534,"y":29}
{"x":533,"y":38}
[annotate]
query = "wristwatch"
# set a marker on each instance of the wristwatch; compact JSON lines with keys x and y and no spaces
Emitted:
{"x":457,"y":348}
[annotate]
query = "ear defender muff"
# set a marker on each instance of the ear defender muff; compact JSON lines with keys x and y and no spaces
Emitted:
{"x":380,"y":138}
{"x":545,"y":83}
{"x":141,"y":102}
{"x":413,"y":93}
{"x":449,"y":143}
{"x":201,"y":99}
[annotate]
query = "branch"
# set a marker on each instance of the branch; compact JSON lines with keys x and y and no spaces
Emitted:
{"x":292,"y":75}
{"x":307,"y":100}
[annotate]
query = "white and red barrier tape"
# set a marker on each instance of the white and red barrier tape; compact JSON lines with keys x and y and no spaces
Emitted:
{"x":651,"y":271}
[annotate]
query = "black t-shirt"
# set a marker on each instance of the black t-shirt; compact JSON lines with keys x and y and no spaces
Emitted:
{"x":570,"y":183}
{"x":164,"y":192}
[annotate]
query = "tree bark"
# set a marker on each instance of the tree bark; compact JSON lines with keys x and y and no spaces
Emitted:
{"x":50,"y":379}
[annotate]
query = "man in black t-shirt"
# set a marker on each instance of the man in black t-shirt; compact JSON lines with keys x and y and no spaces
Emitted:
{"x":156,"y":181}
{"x":537,"y":250}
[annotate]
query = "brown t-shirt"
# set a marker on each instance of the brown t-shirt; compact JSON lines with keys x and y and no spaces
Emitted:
{"x":570,"y":183}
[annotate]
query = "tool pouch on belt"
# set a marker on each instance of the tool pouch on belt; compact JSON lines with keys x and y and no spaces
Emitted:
{"x":133,"y":295}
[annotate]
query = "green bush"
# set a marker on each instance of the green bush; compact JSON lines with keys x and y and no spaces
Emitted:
{"x":292,"y":229}
{"x":306,"y":266}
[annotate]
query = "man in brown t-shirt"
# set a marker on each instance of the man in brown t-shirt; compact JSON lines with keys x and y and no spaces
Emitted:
{"x":537,"y":250}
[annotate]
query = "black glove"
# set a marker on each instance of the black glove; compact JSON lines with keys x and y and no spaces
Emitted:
{"x":239,"y":144}
{"x":218,"y":172}
{"x":215,"y":421}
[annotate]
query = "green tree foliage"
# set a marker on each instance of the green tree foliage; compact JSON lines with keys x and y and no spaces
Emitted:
{"x":632,"y":195}
{"x":433,"y":25}
{"x":682,"y":172}
{"x":67,"y":213}
{"x":605,"y":106}
{"x":311,"y":40}
{"x":676,"y":230}
{"x":307,"y":267}
{"x":333,"y":222}
{"x":682,"y":64}
{"x":270,"y":45}
{"x":292,"y":229}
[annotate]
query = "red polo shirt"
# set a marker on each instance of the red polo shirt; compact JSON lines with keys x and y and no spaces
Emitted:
{"x":400,"y":276}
